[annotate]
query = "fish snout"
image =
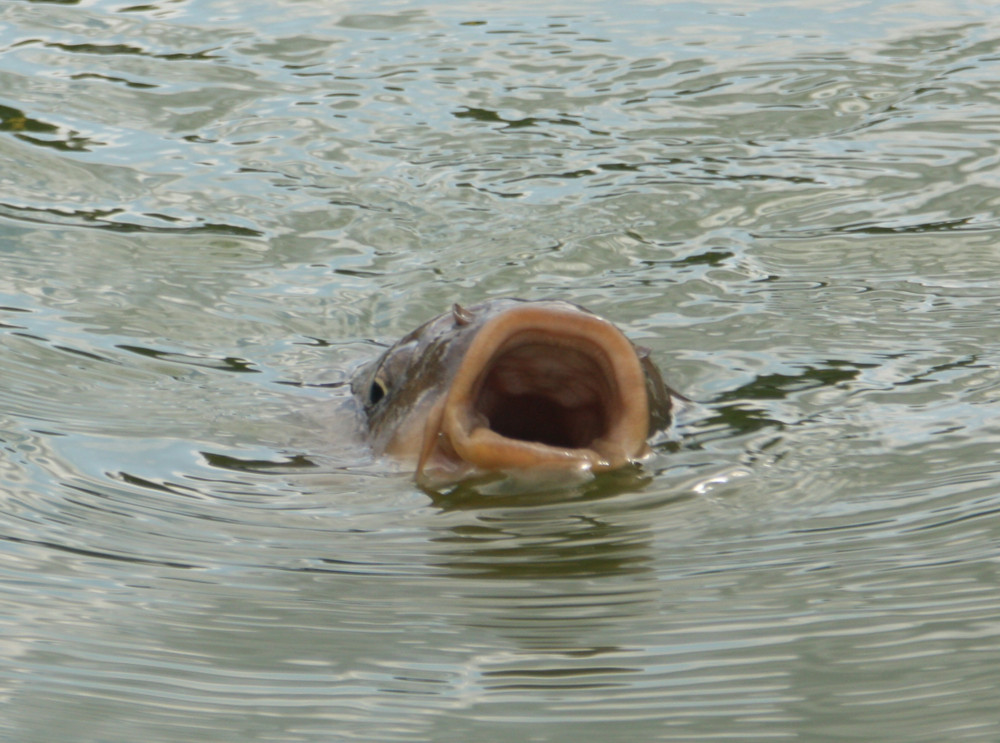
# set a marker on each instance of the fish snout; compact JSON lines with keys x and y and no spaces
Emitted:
{"x":541,"y":388}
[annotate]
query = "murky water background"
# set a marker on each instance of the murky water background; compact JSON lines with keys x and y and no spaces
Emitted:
{"x":209,"y":210}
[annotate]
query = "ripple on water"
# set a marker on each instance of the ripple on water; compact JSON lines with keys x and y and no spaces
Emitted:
{"x":213,"y":209}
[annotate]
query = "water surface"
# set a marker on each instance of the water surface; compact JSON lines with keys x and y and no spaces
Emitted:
{"x":210,"y":211}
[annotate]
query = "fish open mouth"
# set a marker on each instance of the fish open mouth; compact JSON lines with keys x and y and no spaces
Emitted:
{"x":543,"y":388}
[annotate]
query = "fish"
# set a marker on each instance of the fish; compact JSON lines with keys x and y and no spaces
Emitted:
{"x":512,"y":386}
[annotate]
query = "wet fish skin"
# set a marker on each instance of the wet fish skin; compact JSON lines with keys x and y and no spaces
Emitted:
{"x":421,"y":396}
{"x":410,"y":374}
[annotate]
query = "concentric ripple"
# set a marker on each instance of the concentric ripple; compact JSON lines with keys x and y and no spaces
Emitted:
{"x":212,"y":211}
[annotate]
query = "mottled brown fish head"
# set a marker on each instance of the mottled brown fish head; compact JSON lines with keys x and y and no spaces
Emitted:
{"x":513,"y":385}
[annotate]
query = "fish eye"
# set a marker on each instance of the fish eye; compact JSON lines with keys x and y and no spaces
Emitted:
{"x":376,"y":392}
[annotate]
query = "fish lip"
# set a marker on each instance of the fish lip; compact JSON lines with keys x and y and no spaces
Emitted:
{"x":568,"y":340}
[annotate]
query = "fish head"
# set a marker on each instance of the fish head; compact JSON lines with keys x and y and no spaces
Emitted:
{"x":513,"y":385}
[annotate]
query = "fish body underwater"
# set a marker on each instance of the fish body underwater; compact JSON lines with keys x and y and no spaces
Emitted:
{"x":513,"y":386}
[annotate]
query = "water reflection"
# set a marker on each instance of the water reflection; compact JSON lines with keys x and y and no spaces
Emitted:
{"x":508,"y":545}
{"x":41,"y":133}
{"x":795,"y":211}
{"x":553,"y":583}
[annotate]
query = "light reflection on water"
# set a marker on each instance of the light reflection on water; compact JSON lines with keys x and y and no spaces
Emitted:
{"x":212,"y":211}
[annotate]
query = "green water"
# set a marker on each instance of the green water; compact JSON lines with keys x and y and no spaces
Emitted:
{"x":210,"y":211}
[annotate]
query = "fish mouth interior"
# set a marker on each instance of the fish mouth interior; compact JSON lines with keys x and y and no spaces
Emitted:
{"x":546,"y":393}
{"x":542,"y":389}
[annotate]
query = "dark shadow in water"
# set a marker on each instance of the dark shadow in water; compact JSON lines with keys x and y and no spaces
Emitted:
{"x":487,"y":116}
{"x":132,"y":49}
{"x":780,"y":386}
{"x":504,"y":547}
{"x":102,"y":219}
{"x":737,"y":411}
{"x":228,"y":363}
{"x":713,"y":257}
{"x":82,"y":552}
{"x":546,"y":533}
{"x":294,"y":463}
{"x":553,"y":573}
{"x":42,"y":134}
{"x":965,"y":224}
{"x":502,"y":491}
